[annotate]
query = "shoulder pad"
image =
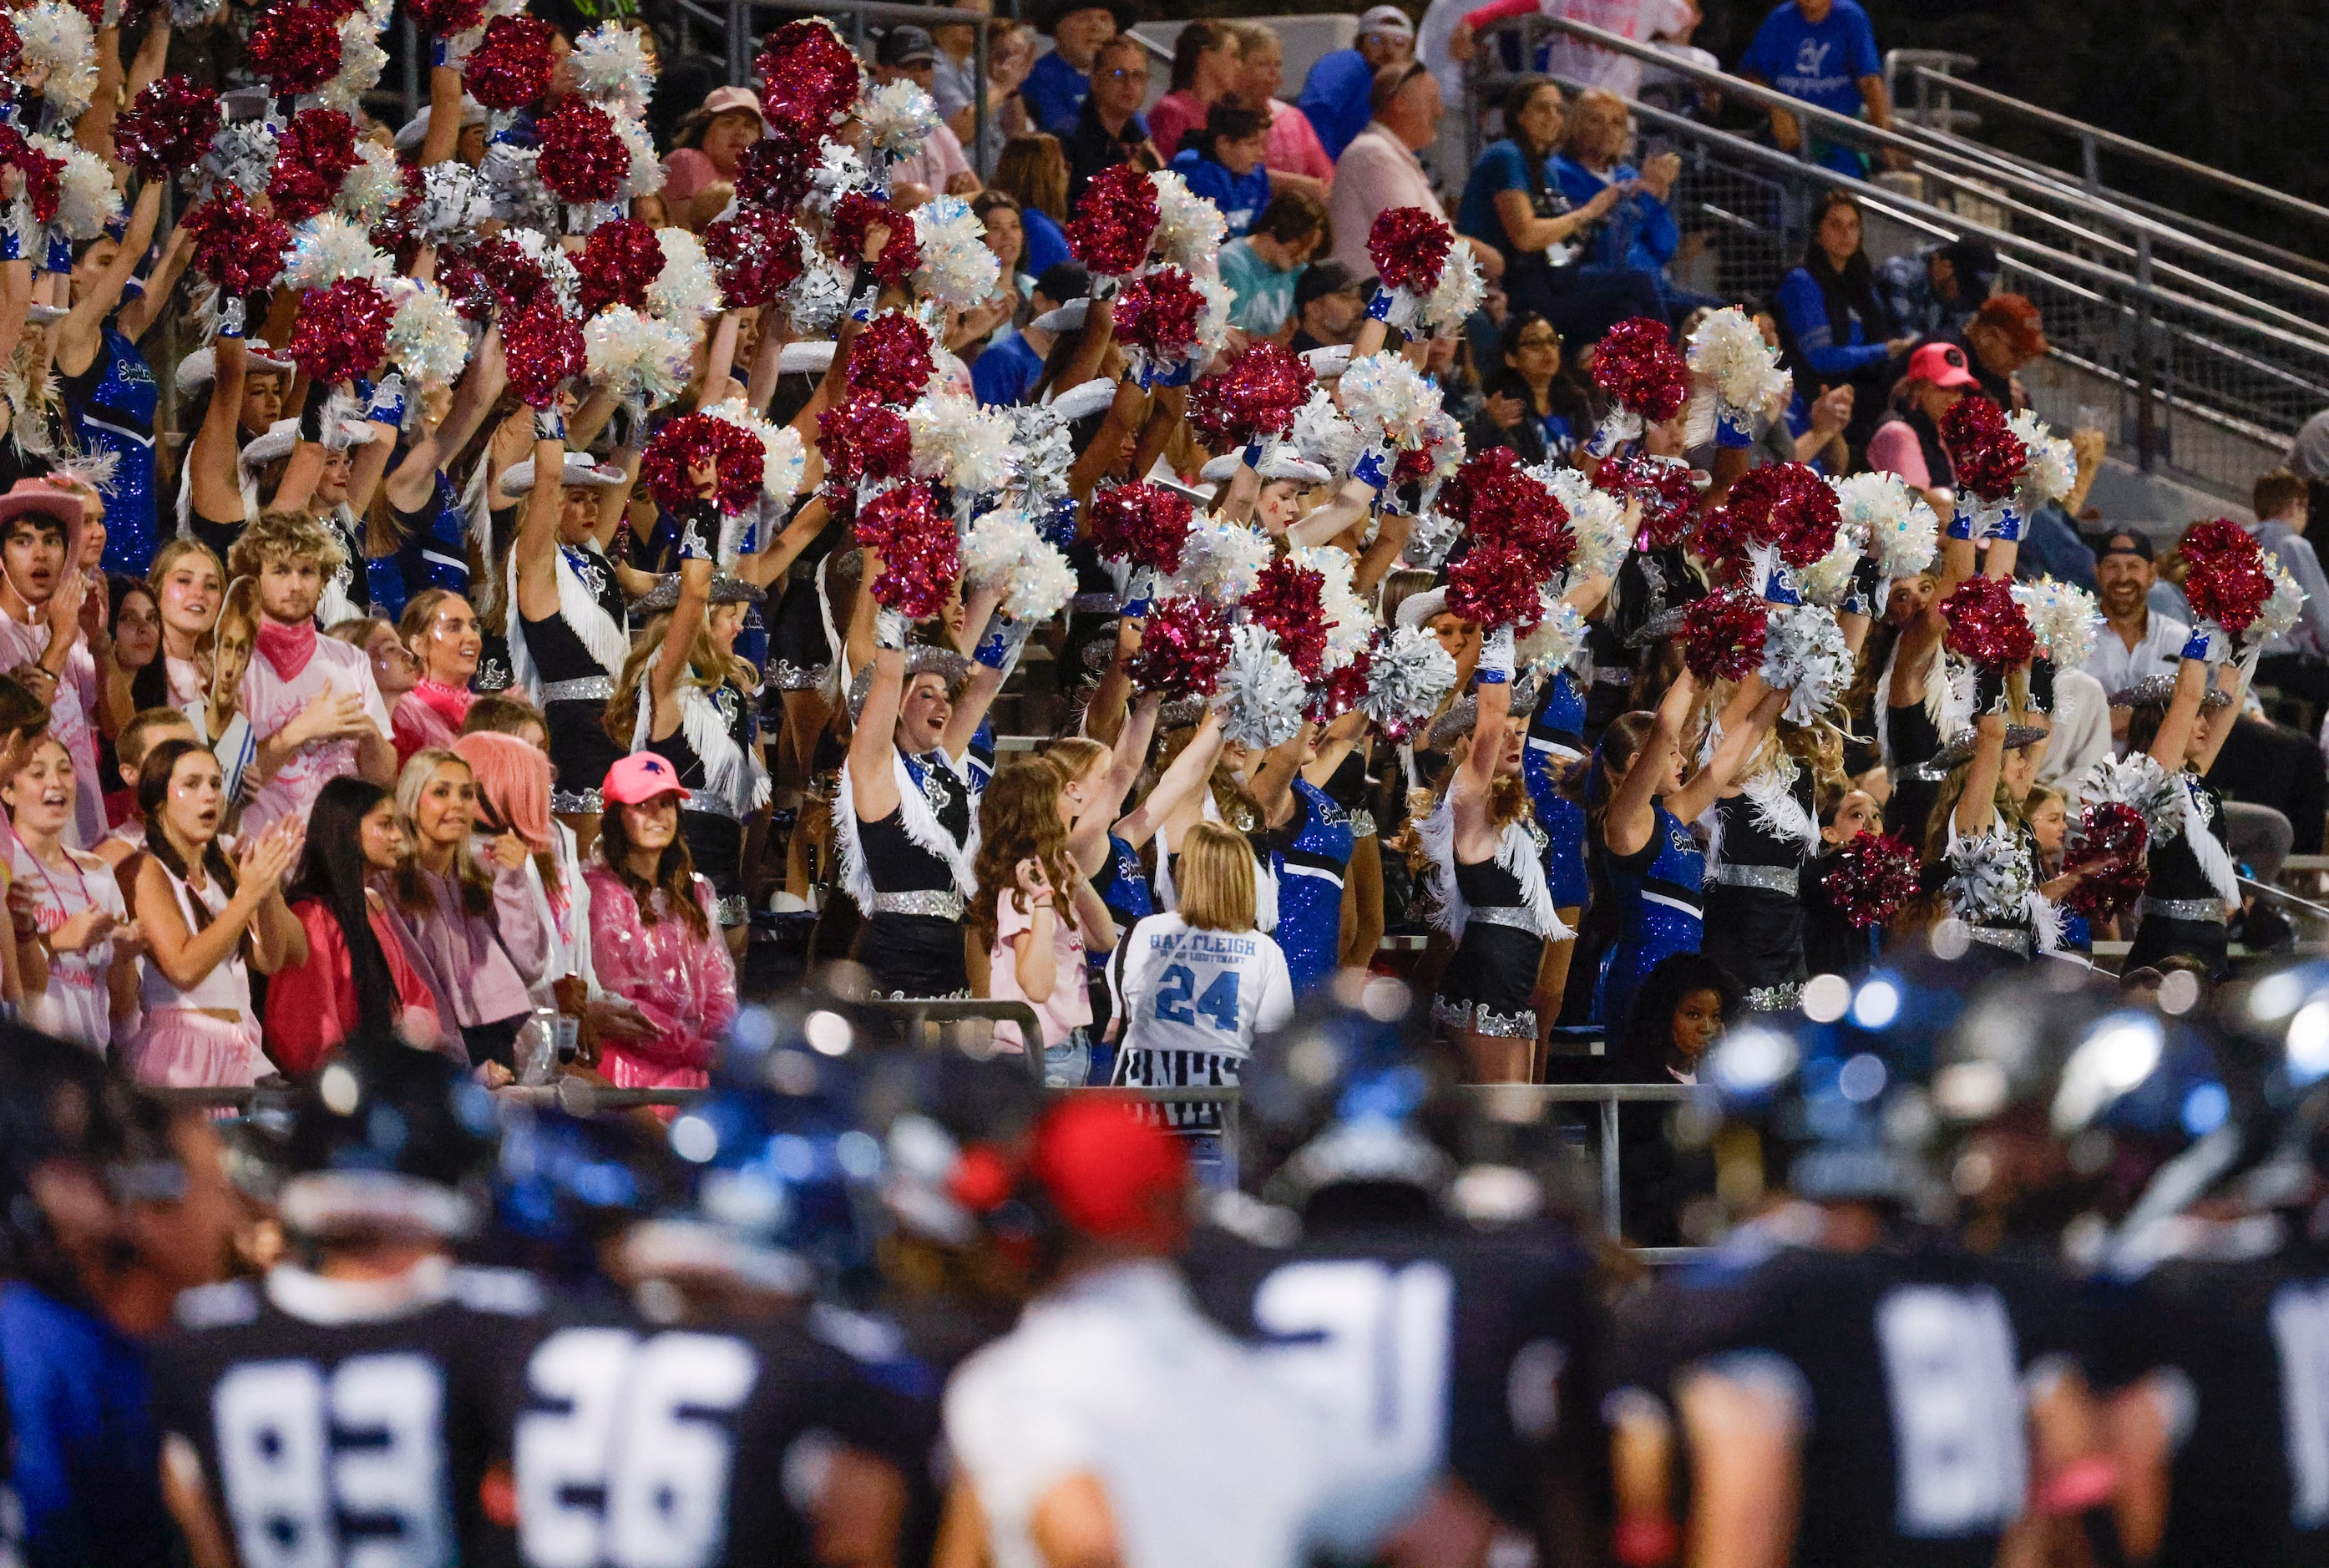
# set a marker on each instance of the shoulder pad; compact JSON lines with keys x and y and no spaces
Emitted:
{"x":507,"y":1292}
{"x":1254,"y":1222}
{"x":218,"y":1306}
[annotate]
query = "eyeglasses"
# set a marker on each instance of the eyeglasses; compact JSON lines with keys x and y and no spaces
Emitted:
{"x":1121,"y":74}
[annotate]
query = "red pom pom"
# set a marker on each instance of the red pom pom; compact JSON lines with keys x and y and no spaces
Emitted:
{"x":342,"y":330}
{"x":1114,"y":221}
{"x":235,"y":246}
{"x":1987,"y":456}
{"x":511,"y":69}
{"x":890,"y":359}
{"x":774,"y":171}
{"x":1988,"y":625}
{"x":1258,"y":395}
{"x":921,"y":553}
{"x":617,"y":263}
{"x":755,"y":255}
{"x":1506,"y":509}
{"x":806,"y":71}
{"x":1668,"y":494}
{"x":166,"y":131}
{"x":1495,"y":586}
{"x":43,"y":175}
{"x":2225,"y":580}
{"x":863,"y":438}
{"x":443,"y":18}
{"x":466,"y":284}
{"x":1291,"y":601}
{"x":1409,"y":249}
{"x":1783,"y":504}
{"x":294,"y":48}
{"x":312,"y":160}
{"x":854,"y":217}
{"x":694,"y":442}
{"x":1342,"y":690}
{"x":1156,"y":314}
{"x":1144,"y":523}
{"x":582,"y":159}
{"x":515,"y":277}
{"x":2109,"y":843}
{"x":1723,"y":634}
{"x":12,"y":47}
{"x":1184,"y":646}
{"x":1875,"y":875}
{"x":544,"y":348}
{"x":1637,"y":365}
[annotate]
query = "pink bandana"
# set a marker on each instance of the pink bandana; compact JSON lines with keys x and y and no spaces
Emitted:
{"x":287,"y":649}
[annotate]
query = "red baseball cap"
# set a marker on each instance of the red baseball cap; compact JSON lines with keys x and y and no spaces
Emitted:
{"x":1943,"y":365}
{"x":640,"y":777}
{"x":1113,"y":1173}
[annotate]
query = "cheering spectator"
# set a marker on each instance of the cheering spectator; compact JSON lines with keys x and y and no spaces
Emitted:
{"x":2135,"y":644}
{"x":1008,"y":368}
{"x":1058,"y":83}
{"x":1908,"y":442}
{"x":1205,"y":71}
{"x":1295,"y":160}
{"x":1832,"y":328}
{"x":1034,"y":172}
{"x":938,"y":166}
{"x":699,"y":173}
{"x":1639,"y":233}
{"x":1823,"y":51}
{"x":41,"y":527}
{"x":1262,"y":269}
{"x":1006,"y":236}
{"x":1378,"y":170}
{"x":1532,"y":405}
{"x":354,"y":978}
{"x":1329,"y":302}
{"x":2297,"y":662}
{"x":1110,"y":130}
{"x":1936,"y":289}
{"x":1338,"y":95}
{"x":67,"y":905}
{"x":1513,"y":201}
{"x":134,"y":676}
{"x":1224,"y":164}
{"x":441,"y":630}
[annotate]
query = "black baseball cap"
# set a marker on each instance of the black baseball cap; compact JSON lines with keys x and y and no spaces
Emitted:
{"x":1063,"y":281}
{"x":1320,"y":278}
{"x":2124,"y":541}
{"x":1973,"y":260}
{"x":905,"y":45}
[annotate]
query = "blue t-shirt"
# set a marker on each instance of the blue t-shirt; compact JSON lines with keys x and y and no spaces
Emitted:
{"x":87,"y":1454}
{"x":1241,"y":197}
{"x":1005,"y":370}
{"x":1047,"y":246}
{"x":1264,"y":295}
{"x":1335,"y":94}
{"x":1819,"y":62}
{"x":1502,"y":167}
{"x":1054,"y":93}
{"x":1639,"y":231}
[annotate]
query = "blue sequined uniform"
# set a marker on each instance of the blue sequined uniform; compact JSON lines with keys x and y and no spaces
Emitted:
{"x":1313,"y":858}
{"x":435,"y":553}
{"x":1556,"y":743}
{"x":112,"y":407}
{"x":1122,"y":883}
{"x":1660,"y":889}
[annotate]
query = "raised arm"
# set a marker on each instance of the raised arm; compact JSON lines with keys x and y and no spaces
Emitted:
{"x":217,"y":492}
{"x":1977,"y":809}
{"x":1272,"y":784}
{"x":1188,"y":773}
{"x":1627,"y":823}
{"x":1088,"y":844}
{"x":1740,"y":741}
{"x":444,"y":135}
{"x":536,"y":548}
{"x":670,"y":666}
{"x":873,"y":783}
{"x":77,"y":335}
{"x":138,"y":317}
{"x":2173,"y":741}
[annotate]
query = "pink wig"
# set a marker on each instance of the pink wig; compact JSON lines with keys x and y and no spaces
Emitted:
{"x":513,"y":782}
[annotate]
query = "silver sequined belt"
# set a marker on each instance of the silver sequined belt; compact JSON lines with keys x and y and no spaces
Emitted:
{"x":2018,"y":943}
{"x":2197,"y":911}
{"x":706,"y":803}
{"x":1092,"y":605}
{"x":590,"y":688}
{"x":937,"y":903}
{"x":1770,"y":878}
{"x":1511,"y":915}
{"x":575,"y":801}
{"x":1480,"y":1020}
{"x":1774,"y":998}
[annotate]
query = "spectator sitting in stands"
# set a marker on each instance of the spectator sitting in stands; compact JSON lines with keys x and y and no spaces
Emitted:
{"x":1110,"y":130}
{"x":1263,"y":268}
{"x":1223,"y":163}
{"x":2004,"y":334}
{"x":1640,"y":232}
{"x":907,"y":54}
{"x":1533,"y":405}
{"x":1204,"y":72}
{"x":1007,"y":370}
{"x":1378,"y":170}
{"x":1823,"y":51}
{"x":1034,"y":172}
{"x":1010,"y":52}
{"x":1832,"y":329}
{"x":2308,"y":458}
{"x":2297,"y":662}
{"x":1337,"y":96}
{"x":1329,"y":300}
{"x":1938,"y":288}
{"x":699,"y":175}
{"x":1058,"y":83}
{"x":1292,"y":153}
{"x":1006,"y":237}
{"x":1907,"y":441}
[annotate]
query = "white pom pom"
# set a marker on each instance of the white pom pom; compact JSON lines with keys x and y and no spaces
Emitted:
{"x":1350,"y":624}
{"x":1261,"y":694}
{"x":58,"y":38}
{"x":1220,"y":562}
{"x":2280,"y":612}
{"x":643,"y":361}
{"x":426,"y":337}
{"x":1729,"y":361}
{"x":1829,"y":578}
{"x":815,"y":300}
{"x":2053,"y":468}
{"x":1457,"y":294}
{"x":687,"y":290}
{"x":1557,"y":637}
{"x":86,"y":198}
{"x":647,"y":175}
{"x":452,"y":203}
{"x":243,"y":155}
{"x":191,"y":13}
{"x":2063,"y":618}
{"x":1046,"y":453}
{"x":1387,"y":400}
{"x":1805,"y":655}
{"x":1005,"y":551}
{"x":1188,"y":228}
{"x":1434,"y":535}
{"x":783,"y":458}
{"x":2138,"y":781}
{"x":1409,"y":675}
{"x":362,"y":60}
{"x":1892,"y":523}
{"x":958,"y":270}
{"x":1596,"y":521}
{"x":373,"y":186}
{"x":328,"y":247}
{"x":611,"y":69}
{"x":839,"y":170}
{"x":961,"y":445}
{"x":515,"y":191}
{"x":898,"y":117}
{"x":1324,"y":435}
{"x":556,"y":264}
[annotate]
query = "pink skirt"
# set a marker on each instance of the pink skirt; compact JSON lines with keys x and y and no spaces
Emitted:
{"x":180,"y":1048}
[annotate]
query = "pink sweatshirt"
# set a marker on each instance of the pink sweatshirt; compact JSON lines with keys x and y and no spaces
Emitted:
{"x":685,"y":985}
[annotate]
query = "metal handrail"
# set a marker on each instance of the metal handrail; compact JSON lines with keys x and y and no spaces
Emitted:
{"x":1608,"y":1097}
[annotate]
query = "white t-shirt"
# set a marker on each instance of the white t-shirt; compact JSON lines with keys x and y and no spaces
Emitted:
{"x":2160,"y":653}
{"x":77,"y":1005}
{"x":1184,"y":990}
{"x":1589,"y":65}
{"x":270,"y":702}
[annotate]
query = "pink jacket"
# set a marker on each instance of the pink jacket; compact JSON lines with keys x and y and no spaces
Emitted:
{"x":685,"y":985}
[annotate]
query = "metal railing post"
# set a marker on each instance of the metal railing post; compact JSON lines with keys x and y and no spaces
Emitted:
{"x":739,"y":30}
{"x":411,"y":67}
{"x":2146,"y":415}
{"x":980,"y":110}
{"x":1612,"y":1210}
{"x":2090,"y":161}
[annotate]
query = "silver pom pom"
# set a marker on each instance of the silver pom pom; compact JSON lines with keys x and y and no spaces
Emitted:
{"x":1989,"y":878}
{"x":2063,"y":618}
{"x":1409,"y":675}
{"x":815,"y":299}
{"x":241,"y":154}
{"x":611,"y":69}
{"x":2138,"y":781}
{"x":1261,"y":695}
{"x":1805,"y":655}
{"x":1434,"y":535}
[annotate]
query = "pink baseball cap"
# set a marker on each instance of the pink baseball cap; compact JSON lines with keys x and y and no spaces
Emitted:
{"x":641,"y":777}
{"x":1943,"y":365}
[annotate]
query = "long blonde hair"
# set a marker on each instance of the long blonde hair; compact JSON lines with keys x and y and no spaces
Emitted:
{"x":1213,"y":880}
{"x":707,"y":670}
{"x":412,"y":894}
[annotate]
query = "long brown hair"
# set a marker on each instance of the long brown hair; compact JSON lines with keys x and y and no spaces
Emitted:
{"x":153,"y":789}
{"x":412,"y":894}
{"x":674,"y":874}
{"x":1945,"y":808}
{"x":1032,"y":170}
{"x":1018,"y":820}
